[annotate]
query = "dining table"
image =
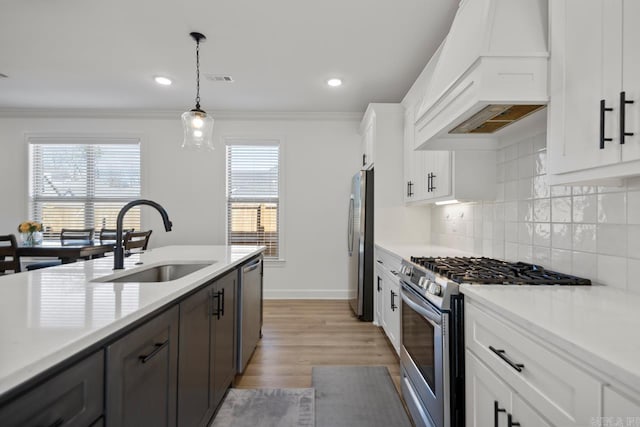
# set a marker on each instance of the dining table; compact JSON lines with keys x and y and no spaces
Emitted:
{"x":68,"y":251}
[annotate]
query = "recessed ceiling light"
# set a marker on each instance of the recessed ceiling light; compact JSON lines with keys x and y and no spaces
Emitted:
{"x":164,"y":81}
{"x":334,"y":82}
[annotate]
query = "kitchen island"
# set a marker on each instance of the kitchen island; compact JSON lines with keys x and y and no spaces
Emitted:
{"x":52,"y":319}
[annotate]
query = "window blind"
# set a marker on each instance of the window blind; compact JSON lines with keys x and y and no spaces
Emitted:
{"x":253,"y":198}
{"x":83,"y":184}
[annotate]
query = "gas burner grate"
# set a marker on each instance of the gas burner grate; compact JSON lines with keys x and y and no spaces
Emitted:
{"x":481,"y":270}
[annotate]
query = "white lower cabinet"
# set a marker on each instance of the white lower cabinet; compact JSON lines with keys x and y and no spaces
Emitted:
{"x":387,"y":295}
{"x":534,"y":382}
{"x":391,"y":309}
{"x":490,"y":402}
{"x":379,"y":296}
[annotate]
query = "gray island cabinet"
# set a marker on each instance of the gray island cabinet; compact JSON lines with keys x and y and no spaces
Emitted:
{"x":207,"y":349}
{"x":169,"y":368}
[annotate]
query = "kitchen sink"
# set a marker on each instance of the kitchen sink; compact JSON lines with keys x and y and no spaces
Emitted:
{"x":158,"y":273}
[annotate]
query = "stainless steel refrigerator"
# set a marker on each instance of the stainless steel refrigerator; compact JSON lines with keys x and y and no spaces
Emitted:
{"x":360,"y":245}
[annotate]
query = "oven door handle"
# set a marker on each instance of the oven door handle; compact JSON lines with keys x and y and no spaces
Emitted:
{"x":427,"y":312}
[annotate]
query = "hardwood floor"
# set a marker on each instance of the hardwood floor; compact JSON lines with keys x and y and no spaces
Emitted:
{"x":300,"y":334}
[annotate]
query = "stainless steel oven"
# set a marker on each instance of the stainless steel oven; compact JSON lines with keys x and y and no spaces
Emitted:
{"x":431,"y":343}
{"x":424,"y":354}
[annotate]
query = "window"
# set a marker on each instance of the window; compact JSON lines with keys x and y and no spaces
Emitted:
{"x":253,"y":195}
{"x":82,"y":183}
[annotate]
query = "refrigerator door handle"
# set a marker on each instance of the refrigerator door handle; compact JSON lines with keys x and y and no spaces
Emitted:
{"x":350,"y":227}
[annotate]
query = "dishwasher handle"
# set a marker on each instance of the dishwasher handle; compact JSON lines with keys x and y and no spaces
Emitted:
{"x":252,"y":266}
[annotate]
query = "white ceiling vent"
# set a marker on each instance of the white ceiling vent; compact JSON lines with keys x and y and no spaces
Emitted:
{"x":219,"y":78}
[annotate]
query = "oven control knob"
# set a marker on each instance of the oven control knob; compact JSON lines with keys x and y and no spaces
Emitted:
{"x":435,"y":289}
{"x":423,"y":282}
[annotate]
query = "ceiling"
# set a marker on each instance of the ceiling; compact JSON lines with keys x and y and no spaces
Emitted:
{"x":77,"y":54}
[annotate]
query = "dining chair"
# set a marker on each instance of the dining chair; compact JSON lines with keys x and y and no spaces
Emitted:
{"x":9,"y":248}
{"x":69,"y":235}
{"x":136,"y":240}
{"x":108,"y":235}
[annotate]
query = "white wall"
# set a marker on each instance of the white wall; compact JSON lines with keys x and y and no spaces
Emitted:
{"x":320,"y":156}
{"x":587,"y":231}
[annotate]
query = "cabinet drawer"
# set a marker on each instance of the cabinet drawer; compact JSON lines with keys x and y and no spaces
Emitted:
{"x":74,"y":397}
{"x":566,"y":395}
{"x":388,"y":261}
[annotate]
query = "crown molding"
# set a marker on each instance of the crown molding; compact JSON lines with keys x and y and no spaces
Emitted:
{"x":166,"y":114}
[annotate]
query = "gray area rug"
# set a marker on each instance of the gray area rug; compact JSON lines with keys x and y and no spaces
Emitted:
{"x":353,"y":396}
{"x":266,"y":407}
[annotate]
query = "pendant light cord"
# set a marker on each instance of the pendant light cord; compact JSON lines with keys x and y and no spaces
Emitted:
{"x":197,"y":74}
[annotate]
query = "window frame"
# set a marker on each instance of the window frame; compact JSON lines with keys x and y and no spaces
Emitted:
{"x":80,"y":139}
{"x":265,"y":141}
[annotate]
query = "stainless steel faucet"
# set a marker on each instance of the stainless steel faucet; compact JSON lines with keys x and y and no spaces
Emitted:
{"x":118,"y":256}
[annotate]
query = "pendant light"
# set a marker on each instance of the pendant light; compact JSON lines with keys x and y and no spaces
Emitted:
{"x":197,"y":124}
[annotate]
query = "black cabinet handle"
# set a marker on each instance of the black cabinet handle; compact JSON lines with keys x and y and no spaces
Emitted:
{"x":364,"y":159}
{"x":603,"y":109}
{"x":393,"y":301}
{"x":510,"y":422}
{"x":623,"y":119}
{"x":156,"y":350}
{"x":500,"y":353}
{"x":433,"y":187}
{"x":379,"y":287}
{"x":221,"y":301}
{"x":429,"y":182}
{"x":379,"y":261}
{"x":215,"y":296}
{"x":409,"y":189}
{"x":496,"y":412}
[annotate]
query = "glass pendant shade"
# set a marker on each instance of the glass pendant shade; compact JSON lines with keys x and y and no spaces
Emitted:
{"x":198,"y":130}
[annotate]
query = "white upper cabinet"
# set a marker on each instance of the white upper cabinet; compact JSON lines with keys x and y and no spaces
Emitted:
{"x":631,"y":79}
{"x":440,"y":176}
{"x":437,"y":176}
{"x":595,"y":67}
{"x":414,"y":182}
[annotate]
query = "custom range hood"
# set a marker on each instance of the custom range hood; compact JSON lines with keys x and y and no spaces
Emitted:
{"x":490,"y":71}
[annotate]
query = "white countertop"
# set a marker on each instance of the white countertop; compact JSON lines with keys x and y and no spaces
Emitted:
{"x":407,"y":250}
{"x":597,"y":325}
{"x":48,"y":315}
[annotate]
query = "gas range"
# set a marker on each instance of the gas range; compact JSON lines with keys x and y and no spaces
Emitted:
{"x":437,"y":278}
{"x":432,"y":327}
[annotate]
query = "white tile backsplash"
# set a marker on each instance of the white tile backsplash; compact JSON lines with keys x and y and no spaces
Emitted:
{"x":633,"y":242}
{"x":612,"y":208}
{"x":633,"y":207}
{"x":561,"y":209}
{"x":612,"y":271}
{"x":612,"y":239}
{"x":542,"y":234}
{"x":561,"y":236}
{"x":542,"y":210}
{"x":584,"y":237}
{"x":585,"y":209}
{"x":587,"y":231}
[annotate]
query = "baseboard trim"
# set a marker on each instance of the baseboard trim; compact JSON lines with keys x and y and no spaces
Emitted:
{"x":305,"y":294}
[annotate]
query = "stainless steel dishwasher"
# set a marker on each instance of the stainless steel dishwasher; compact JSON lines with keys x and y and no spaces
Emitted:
{"x":249,"y":310}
